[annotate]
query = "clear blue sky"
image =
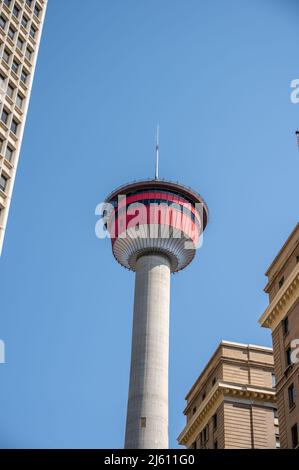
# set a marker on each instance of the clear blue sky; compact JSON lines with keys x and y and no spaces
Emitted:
{"x":216,"y":76}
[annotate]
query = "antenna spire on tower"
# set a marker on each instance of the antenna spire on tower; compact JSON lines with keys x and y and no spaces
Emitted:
{"x":157,"y":152}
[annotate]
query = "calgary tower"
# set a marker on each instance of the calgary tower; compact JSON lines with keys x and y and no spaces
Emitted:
{"x":155,"y":227}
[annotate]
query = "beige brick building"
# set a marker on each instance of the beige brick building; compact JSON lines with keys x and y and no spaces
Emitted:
{"x":282,"y":317}
{"x":232,"y":403}
{"x":21,"y":23}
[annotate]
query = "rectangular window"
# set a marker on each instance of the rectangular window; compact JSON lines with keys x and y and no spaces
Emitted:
{"x":20,"y":43}
{"x":16,"y":11}
{"x":206,"y":433}
{"x":6,"y":55}
{"x":29,"y":3}
{"x":10,"y":90}
{"x":37,"y":11}
{"x":294,"y":432}
{"x":143,"y":422}
{"x":9,"y":153}
{"x":291,"y":396}
{"x":201,"y":440}
{"x":19,"y":101}
{"x":2,"y":81}
{"x":288,"y":356}
{"x":33,"y":31}
{"x":216,"y":444}
{"x":24,"y":76}
{"x":24,"y":21}
{"x":14,"y":126}
{"x":7,"y":2}
{"x":281,"y":282}
{"x":273,"y":380}
{"x":215,"y":421}
{"x":4,"y":116}
{"x":15,"y":66}
{"x":3,"y":182}
{"x":1,"y":144}
{"x":277,"y":441}
{"x":29,"y":53}
{"x":285,"y":325}
{"x":11,"y":33}
{"x":2,"y":22}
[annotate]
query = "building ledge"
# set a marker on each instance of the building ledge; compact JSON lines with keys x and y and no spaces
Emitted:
{"x":221,"y":390}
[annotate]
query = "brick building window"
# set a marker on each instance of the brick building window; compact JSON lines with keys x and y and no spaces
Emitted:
{"x":294,"y":432}
{"x":215,"y":421}
{"x":291,"y":396}
{"x":288,"y":356}
{"x":281,"y":282}
{"x":206,"y":433}
{"x":285,"y":325}
{"x":277,"y":441}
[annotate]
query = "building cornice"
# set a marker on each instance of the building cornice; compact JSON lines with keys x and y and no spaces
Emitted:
{"x":220,"y":390}
{"x":227,"y":360}
{"x":286,"y":244}
{"x":282,"y":302}
{"x":213,"y":362}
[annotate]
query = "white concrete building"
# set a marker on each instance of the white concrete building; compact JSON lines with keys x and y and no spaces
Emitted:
{"x":21,"y":23}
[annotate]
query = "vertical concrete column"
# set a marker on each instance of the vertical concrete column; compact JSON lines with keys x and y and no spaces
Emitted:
{"x":147,"y":413}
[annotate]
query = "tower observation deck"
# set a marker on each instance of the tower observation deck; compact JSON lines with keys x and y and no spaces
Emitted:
{"x":155,"y":228}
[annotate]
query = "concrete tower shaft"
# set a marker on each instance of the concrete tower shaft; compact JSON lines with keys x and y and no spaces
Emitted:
{"x":147,"y":413}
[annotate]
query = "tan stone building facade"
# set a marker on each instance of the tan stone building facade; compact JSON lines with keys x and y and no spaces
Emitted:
{"x":282,"y":316}
{"x":232,"y":403}
{"x":21,"y":23}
